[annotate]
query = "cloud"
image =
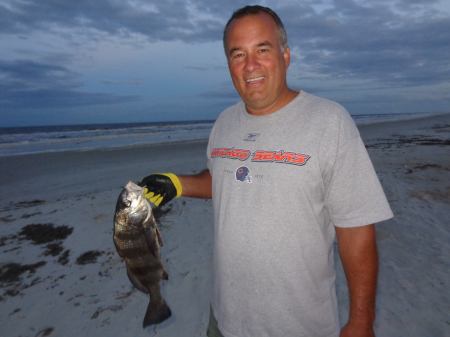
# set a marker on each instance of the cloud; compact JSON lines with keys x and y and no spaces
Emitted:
{"x":338,"y":45}
{"x":132,"y":82}
{"x":386,"y":41}
{"x":372,"y":41}
{"x":32,"y":74}
{"x":157,"y":20}
{"x":227,"y":94}
{"x":35,"y":85}
{"x":206,"y":68}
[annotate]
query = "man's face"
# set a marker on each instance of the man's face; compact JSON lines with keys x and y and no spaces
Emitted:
{"x":258,"y":63}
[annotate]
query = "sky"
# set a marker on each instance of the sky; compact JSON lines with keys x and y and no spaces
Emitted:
{"x":108,"y":61}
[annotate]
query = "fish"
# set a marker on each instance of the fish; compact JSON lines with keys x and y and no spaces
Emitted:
{"x":138,"y":242}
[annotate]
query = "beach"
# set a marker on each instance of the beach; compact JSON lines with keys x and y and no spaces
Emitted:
{"x":60,"y":274}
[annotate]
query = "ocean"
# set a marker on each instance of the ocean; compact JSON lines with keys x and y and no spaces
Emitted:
{"x":39,"y":139}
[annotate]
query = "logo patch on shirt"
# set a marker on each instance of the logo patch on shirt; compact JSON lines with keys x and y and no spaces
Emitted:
{"x":251,"y":137}
{"x":243,"y":174}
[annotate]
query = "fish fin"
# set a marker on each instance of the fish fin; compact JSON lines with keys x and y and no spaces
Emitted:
{"x":158,"y":235}
{"x":151,"y":242}
{"x":156,"y":313}
{"x":135,"y":282}
{"x":165,"y":275}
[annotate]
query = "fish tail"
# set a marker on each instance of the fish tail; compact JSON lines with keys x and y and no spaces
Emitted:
{"x":157,"y":311}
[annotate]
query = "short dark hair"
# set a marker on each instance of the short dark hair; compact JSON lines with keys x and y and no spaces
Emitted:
{"x":253,"y":10}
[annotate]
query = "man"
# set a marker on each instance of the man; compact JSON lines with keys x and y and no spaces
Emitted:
{"x":288,"y":173}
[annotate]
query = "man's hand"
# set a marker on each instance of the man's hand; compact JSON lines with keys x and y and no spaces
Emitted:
{"x":160,"y":188}
{"x":354,"y":330}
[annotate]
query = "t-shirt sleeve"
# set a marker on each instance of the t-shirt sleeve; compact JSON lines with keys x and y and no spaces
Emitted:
{"x":354,"y":195}
{"x":209,"y":148}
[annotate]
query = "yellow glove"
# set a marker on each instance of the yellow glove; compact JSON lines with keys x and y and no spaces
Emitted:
{"x":160,"y":188}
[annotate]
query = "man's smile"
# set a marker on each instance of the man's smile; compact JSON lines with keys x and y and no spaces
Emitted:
{"x":254,"y":79}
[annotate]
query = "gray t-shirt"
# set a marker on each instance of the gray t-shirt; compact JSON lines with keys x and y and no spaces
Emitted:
{"x":281,"y":182}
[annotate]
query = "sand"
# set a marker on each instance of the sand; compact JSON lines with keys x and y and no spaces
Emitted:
{"x":61,"y":276}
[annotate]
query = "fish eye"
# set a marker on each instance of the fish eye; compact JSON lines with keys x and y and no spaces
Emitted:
{"x":125,"y":201}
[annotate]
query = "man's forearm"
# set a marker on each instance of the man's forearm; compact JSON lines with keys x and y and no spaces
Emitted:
{"x":197,"y":186}
{"x":358,"y":251}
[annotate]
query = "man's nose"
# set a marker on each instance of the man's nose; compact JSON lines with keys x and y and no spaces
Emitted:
{"x":251,"y":62}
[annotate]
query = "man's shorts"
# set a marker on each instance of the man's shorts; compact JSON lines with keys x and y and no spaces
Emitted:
{"x":213,"y":330}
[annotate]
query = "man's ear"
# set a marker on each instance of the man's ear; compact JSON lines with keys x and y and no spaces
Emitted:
{"x":287,"y":56}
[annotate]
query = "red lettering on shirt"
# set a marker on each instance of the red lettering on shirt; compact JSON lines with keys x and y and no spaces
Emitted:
{"x":230,"y":153}
{"x":280,"y":157}
{"x":261,"y":156}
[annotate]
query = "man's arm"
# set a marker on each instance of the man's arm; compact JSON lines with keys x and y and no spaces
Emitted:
{"x":358,"y":251}
{"x":198,"y":185}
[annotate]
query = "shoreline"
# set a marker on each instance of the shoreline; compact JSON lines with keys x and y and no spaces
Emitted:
{"x":386,"y":128}
{"x":111,"y":148}
{"x":362,"y":125}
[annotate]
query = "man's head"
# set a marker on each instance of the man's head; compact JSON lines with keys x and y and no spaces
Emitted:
{"x":258,"y":57}
{"x":256,"y":9}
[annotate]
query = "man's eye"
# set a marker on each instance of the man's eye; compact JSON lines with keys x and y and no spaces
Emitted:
{"x":236,"y":56}
{"x":263,"y":50}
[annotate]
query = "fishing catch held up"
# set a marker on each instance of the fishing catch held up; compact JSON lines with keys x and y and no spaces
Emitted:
{"x":138,"y":241}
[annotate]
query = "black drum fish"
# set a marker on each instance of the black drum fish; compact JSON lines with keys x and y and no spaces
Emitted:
{"x":138,"y":241}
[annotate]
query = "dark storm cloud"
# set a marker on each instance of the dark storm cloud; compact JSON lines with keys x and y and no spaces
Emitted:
{"x":27,"y":84}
